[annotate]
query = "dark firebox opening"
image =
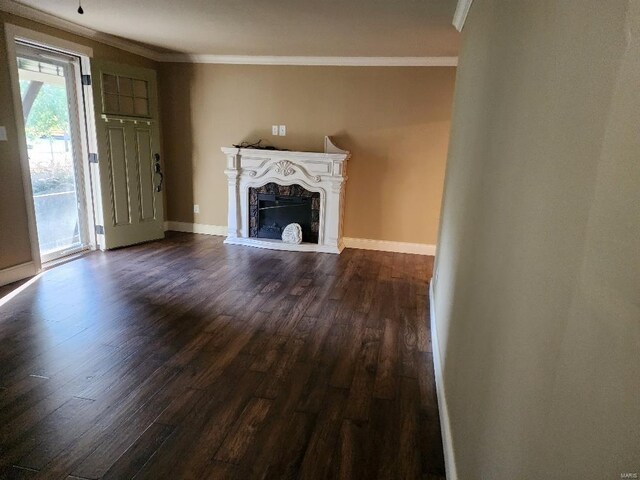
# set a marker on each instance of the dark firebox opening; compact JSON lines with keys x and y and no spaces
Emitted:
{"x":273,"y":207}
{"x":276,"y":212}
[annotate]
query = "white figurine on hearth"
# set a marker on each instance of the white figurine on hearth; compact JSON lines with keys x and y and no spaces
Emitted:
{"x":292,"y":233}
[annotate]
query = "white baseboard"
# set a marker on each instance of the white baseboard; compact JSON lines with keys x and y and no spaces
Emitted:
{"x":361,"y":243}
{"x":19,"y":272}
{"x":445,"y":424}
{"x":220,"y":230}
{"x":387,"y":246}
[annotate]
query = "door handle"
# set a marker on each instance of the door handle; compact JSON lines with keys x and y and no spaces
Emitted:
{"x":157,"y":170}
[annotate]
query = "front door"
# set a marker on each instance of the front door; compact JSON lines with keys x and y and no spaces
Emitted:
{"x":129,"y":166}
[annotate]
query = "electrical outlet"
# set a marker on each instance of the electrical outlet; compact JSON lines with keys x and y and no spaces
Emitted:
{"x":282,"y":130}
{"x":3,"y":134}
{"x":274,"y":129}
{"x":196,"y":208}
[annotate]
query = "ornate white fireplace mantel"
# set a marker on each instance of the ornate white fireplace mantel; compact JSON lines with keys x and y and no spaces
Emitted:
{"x":317,"y":172}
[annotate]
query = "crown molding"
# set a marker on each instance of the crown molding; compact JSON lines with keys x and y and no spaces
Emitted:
{"x":24,"y":11}
{"x":460,"y":15}
{"x":317,"y":61}
{"x":15,"y":8}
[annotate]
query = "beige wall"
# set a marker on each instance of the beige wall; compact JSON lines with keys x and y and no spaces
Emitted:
{"x":14,"y":234}
{"x":395,"y":121}
{"x":538,"y":270}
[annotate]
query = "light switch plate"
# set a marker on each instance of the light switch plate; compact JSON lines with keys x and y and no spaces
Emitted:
{"x":274,"y":129}
{"x":3,"y":134}
{"x":283,"y":130}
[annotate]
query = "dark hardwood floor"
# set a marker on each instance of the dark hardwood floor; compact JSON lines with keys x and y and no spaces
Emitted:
{"x":186,"y":358}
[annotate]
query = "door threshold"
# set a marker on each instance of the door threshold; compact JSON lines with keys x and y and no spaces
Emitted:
{"x":67,"y":258}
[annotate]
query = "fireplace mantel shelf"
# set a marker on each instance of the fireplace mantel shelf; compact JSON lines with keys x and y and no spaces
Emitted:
{"x":281,"y":154}
{"x":317,"y":172}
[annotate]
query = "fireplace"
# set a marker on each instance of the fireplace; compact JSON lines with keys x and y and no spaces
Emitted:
{"x":269,"y":189}
{"x":272,"y":207}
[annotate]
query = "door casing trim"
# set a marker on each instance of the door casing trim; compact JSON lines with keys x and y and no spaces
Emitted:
{"x":13,"y":34}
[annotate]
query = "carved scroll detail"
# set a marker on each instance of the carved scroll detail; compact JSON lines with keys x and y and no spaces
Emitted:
{"x":284,"y":167}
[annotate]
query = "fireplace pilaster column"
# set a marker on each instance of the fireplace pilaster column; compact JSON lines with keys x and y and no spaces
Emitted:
{"x":233,"y":178}
{"x":332,"y":233}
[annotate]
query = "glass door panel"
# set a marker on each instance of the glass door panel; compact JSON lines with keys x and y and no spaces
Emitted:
{"x":47,"y":91}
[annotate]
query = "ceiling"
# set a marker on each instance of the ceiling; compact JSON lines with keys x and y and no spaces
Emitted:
{"x":332,"y":28}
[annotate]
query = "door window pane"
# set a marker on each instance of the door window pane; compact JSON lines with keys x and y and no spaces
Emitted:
{"x":125,"y":95}
{"x":141,"y":106}
{"x":126,"y":105}
{"x":111,"y":103}
{"x":125,"y":86}
{"x":110,"y":83}
{"x":140,"y":89}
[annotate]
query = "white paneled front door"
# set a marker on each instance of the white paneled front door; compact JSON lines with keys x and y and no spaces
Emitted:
{"x":129,"y":168}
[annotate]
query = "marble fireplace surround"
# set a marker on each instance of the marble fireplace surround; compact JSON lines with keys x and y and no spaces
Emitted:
{"x":324,"y":173}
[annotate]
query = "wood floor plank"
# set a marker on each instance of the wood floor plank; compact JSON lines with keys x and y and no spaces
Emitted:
{"x":244,"y":431}
{"x":351,"y":339}
{"x":277,"y":375}
{"x":205,"y":427}
{"x":188,"y":358}
{"x":361,"y":389}
{"x":352,"y":461}
{"x":139,"y":453}
{"x":422,"y":317}
{"x":387,"y":372}
{"x":318,"y":459}
{"x":408,"y":459}
{"x":285,"y":461}
{"x":14,"y":472}
{"x":381,"y":431}
{"x":93,"y":453}
{"x":50,"y":435}
{"x":409,"y":353}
